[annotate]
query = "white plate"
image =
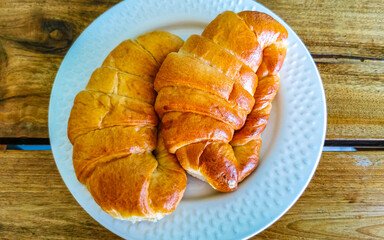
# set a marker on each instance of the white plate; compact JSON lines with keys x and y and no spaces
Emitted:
{"x":292,"y":141}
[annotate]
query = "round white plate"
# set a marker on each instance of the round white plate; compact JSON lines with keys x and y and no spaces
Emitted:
{"x":292,"y":141}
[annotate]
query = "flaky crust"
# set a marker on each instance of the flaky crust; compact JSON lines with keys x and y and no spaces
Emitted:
{"x":214,"y":96}
{"x":117,"y":152}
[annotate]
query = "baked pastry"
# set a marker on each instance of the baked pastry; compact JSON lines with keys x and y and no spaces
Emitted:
{"x":113,"y":129}
{"x":214,"y":96}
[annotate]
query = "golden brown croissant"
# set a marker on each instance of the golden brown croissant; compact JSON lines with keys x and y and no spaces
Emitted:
{"x":214,"y":95}
{"x":113,"y":130}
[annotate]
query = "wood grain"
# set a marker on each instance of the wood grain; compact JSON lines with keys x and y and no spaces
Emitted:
{"x":354,"y":92}
{"x":343,"y":29}
{"x":346,"y":39}
{"x":343,"y":201}
{"x":34,"y":37}
{"x":36,"y":204}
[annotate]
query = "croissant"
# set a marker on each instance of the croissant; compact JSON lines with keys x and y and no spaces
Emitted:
{"x":214,"y":96}
{"x":113,"y":129}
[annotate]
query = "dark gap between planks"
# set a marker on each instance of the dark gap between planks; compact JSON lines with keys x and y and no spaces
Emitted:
{"x":330,"y":145}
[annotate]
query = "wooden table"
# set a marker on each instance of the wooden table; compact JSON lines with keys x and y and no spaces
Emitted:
{"x":345,"y":199}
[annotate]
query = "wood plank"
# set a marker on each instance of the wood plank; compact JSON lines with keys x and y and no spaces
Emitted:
{"x":336,"y":28}
{"x":354,"y":91}
{"x":343,"y":201}
{"x":346,"y":38}
{"x":34,"y":37}
{"x":25,"y":86}
{"x":35,"y":203}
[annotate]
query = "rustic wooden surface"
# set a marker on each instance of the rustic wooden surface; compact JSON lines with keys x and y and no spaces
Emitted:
{"x":343,"y":201}
{"x":345,"y":37}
